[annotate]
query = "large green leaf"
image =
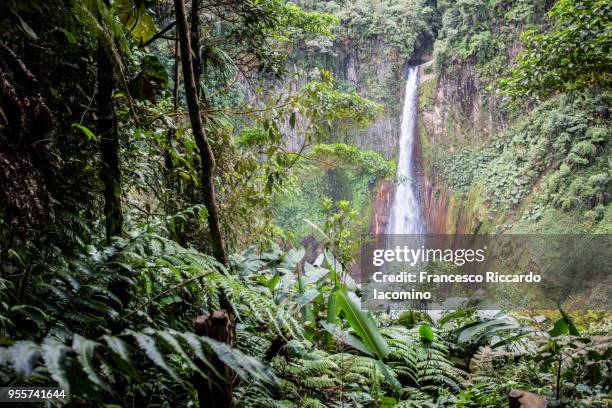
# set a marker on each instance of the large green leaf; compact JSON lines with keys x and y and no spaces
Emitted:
{"x":426,"y":333}
{"x":85,"y":130}
{"x":306,"y":309}
{"x":152,"y":79}
{"x":511,"y":339}
{"x":346,"y":338}
{"x":454,"y":315}
{"x":154,"y":70}
{"x":292,"y":258}
{"x":573,"y":330}
{"x":560,"y":328}
{"x":362,"y":323}
{"x":332,"y":307}
{"x":483,"y":328}
{"x":136,"y":18}
{"x":307,"y":296}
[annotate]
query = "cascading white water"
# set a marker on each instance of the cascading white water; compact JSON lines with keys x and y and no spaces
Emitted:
{"x":406,"y":212}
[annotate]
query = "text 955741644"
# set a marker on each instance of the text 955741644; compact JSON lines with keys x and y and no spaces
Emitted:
{"x":31,"y":394}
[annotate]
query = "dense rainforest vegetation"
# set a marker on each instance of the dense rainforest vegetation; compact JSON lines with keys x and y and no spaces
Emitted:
{"x":185,"y":186}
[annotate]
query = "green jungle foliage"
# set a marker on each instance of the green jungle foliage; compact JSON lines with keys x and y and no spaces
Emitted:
{"x":124,"y":168}
{"x":482,"y":32}
{"x":558,"y":156}
{"x":572,"y":56}
{"x":552,"y":158}
{"x":406,"y":25}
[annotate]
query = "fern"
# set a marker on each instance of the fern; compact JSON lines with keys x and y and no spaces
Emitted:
{"x":148,"y":345}
{"x":88,"y":319}
{"x":55,"y":354}
{"x":85,"y":349}
{"x":314,"y":376}
{"x":77,"y":367}
{"x":424,"y":365}
{"x":416,"y":404}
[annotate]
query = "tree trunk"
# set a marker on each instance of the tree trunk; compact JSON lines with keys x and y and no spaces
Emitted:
{"x":177,"y":72}
{"x":109,"y":143}
{"x":212,"y":394}
{"x":524,"y":399}
{"x":195,"y":45}
{"x":276,"y":347}
{"x":175,"y":98}
{"x":206,"y":155}
{"x":220,"y":325}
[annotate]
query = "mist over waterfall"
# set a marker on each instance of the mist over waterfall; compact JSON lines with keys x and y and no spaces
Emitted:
{"x":406,"y":212}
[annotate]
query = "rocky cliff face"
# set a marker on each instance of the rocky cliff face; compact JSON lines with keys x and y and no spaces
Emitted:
{"x":454,"y":112}
{"x":375,"y":70}
{"x":381,"y":208}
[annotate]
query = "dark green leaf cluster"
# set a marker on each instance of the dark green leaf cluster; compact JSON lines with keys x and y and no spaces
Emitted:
{"x":406,"y":25}
{"x":101,"y":325}
{"x":562,"y":147}
{"x":572,"y":56}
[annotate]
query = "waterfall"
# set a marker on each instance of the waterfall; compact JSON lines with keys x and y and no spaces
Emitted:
{"x":406,"y":212}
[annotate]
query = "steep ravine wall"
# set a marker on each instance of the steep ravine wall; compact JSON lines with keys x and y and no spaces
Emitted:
{"x":374,"y":70}
{"x":452,"y":112}
{"x":383,"y":197}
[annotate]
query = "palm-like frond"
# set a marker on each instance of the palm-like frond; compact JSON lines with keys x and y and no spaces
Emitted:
{"x":425,"y":365}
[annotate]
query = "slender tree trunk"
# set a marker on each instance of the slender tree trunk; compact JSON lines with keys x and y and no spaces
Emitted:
{"x":220,"y":324}
{"x":558,"y":390}
{"x":175,"y":96}
{"x":109,"y":143}
{"x":195,"y":45}
{"x":177,"y":72}
{"x":206,"y":154}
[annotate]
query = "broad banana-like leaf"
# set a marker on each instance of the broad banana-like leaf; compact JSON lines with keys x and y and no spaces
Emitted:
{"x":561,"y":327}
{"x":306,"y":309}
{"x":362,"y":323}
{"x":307,"y":296}
{"x":332,"y":307}
{"x":486,"y":327}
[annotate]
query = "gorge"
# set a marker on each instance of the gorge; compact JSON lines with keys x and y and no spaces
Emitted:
{"x":187,"y":188}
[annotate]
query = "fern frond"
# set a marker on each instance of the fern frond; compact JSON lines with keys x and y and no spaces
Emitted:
{"x":149,"y":346}
{"x":422,"y":364}
{"x":55,"y":354}
{"x":84,"y":364}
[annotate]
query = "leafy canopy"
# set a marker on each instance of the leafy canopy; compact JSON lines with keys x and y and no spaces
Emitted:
{"x":573,"y":55}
